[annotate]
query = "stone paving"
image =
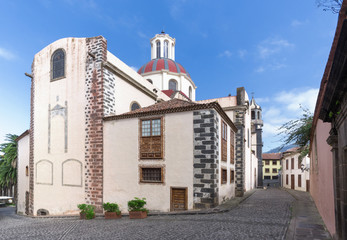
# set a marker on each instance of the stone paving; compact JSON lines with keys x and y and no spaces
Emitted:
{"x":264,"y":215}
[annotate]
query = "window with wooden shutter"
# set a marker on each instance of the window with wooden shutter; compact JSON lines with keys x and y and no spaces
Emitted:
{"x":299,"y":180}
{"x":224,"y":176}
{"x":151,"y":140}
{"x":292,"y":163}
{"x":287,"y":167}
{"x":151,"y":175}
{"x":232,"y":176}
{"x":224,"y":142}
{"x":232,"y":147}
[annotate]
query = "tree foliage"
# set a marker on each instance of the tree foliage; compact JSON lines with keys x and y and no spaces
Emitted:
{"x":330,"y":5}
{"x":8,"y":173}
{"x":298,"y":132}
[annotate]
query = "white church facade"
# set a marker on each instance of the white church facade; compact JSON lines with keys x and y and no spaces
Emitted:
{"x":102,"y":132}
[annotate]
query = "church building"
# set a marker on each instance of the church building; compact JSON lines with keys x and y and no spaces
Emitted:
{"x":102,"y":132}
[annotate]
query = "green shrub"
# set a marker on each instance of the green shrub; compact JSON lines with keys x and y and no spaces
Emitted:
{"x":111,"y":207}
{"x":87,"y":209}
{"x":137,"y":205}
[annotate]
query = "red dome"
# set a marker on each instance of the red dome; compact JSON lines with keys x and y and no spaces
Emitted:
{"x":162,"y":63}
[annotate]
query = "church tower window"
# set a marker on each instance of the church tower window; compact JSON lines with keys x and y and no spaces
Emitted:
{"x":172,"y":85}
{"x":166,"y":49}
{"x":253,"y":115}
{"x":58,"y":64}
{"x":158,"y":49}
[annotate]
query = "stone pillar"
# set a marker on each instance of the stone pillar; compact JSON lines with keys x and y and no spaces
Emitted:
{"x":94,"y":112}
{"x":259,"y":133}
{"x":206,"y":145}
{"x":31,"y":145}
{"x":240,"y":153}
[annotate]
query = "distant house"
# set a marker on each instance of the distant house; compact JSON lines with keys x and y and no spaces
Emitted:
{"x":329,"y":137}
{"x":271,"y":169}
{"x":295,"y":171}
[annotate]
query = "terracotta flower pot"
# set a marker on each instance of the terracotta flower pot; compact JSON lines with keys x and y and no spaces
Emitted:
{"x":112,"y":215}
{"x":137,"y":214}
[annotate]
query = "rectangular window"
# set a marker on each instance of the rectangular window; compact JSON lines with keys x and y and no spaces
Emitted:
{"x":287,"y":179}
{"x":287,"y":167}
{"x":267,"y":170}
{"x":267,"y":177}
{"x":267,"y":162}
{"x":274,"y":162}
{"x":151,"y":141}
{"x":274,"y":170}
{"x":232,"y":176}
{"x":274,"y":177}
{"x":151,"y":175}
{"x":224,"y":141}
{"x":299,"y":180}
{"x":299,"y":164}
{"x":224,"y":176}
{"x":232,"y":147}
{"x":27,"y":171}
{"x":292,"y":164}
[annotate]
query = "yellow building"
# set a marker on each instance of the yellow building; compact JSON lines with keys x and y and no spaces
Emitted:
{"x":271,"y":167}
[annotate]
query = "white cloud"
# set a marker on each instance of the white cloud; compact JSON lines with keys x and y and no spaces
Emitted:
{"x":4,"y":53}
{"x":295,"y":98}
{"x":242,"y":53}
{"x":226,"y":53}
{"x":262,"y":100}
{"x":260,"y":69}
{"x":273,"y":46}
{"x":142,"y":35}
{"x":296,"y":23}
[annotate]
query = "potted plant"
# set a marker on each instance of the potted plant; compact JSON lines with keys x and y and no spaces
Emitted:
{"x":87,"y":211}
{"x":112,"y":211}
{"x":136,"y":208}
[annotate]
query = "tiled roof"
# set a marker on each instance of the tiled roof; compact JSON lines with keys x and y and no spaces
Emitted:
{"x":172,"y":93}
{"x":271,"y":156}
{"x":162,"y":63}
{"x":294,"y":149}
{"x":172,"y":106}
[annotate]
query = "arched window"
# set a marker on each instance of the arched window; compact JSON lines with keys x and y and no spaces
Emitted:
{"x":135,"y":106}
{"x":149,"y":80}
{"x":58,"y":64}
{"x":190,"y":93}
{"x":158,"y":49}
{"x":172,"y":85}
{"x":166,"y":49}
{"x":253,"y":115}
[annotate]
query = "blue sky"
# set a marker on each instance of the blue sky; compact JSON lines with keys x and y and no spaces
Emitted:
{"x":276,"y":49}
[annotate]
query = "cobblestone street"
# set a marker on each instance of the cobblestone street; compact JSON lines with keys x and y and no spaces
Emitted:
{"x":264,"y":215}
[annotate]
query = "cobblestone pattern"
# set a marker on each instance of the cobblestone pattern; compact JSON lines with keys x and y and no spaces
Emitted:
{"x":94,"y":111}
{"x":206,"y":159}
{"x":31,"y":144}
{"x":264,"y":215}
{"x":109,"y":91}
{"x":240,"y":153}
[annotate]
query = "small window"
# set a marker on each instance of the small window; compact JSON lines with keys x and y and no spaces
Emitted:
{"x":287,"y":167}
{"x":292,"y":163}
{"x":274,"y":170}
{"x":151,"y":141}
{"x":149,"y":80}
{"x":224,"y":141}
{"x":26,"y":171}
{"x":190,"y":93}
{"x":58,"y":64}
{"x":135,"y":106}
{"x":267,"y":170}
{"x":299,"y":180}
{"x":253,"y":115}
{"x":173,"y":85}
{"x":166,"y":49}
{"x":224,"y":176}
{"x":151,"y":175}
{"x":267,"y":162}
{"x":274,"y":162}
{"x":158,"y":49}
{"x":274,"y":177}
{"x":232,"y":176}
{"x":299,"y":164}
{"x":258,"y":115}
{"x":287,"y":179}
{"x":267,"y":177}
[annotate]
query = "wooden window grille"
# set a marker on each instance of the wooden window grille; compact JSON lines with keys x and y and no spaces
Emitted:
{"x":224,"y":142}
{"x":151,"y":141}
{"x":152,"y":175}
{"x":267,"y":170}
{"x":58,"y":64}
{"x":232,"y":176}
{"x":292,"y":163}
{"x":299,"y":180}
{"x":232,"y":147}
{"x":224,"y":176}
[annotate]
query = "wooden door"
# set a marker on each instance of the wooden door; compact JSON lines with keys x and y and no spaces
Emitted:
{"x":27,"y":203}
{"x":178,"y":199}
{"x":292,"y":181}
{"x":307,"y":185}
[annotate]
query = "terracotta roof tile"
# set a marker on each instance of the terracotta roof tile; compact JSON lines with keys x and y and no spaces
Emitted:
{"x":271,"y":156}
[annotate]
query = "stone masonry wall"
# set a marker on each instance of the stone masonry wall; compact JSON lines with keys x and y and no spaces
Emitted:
{"x":206,"y":175}
{"x":240,"y":153}
{"x":94,"y":112}
{"x":109,"y":97}
{"x":31,"y":145}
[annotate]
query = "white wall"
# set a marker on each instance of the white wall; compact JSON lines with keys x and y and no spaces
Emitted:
{"x":121,"y":162}
{"x":23,"y":180}
{"x":296,"y":171}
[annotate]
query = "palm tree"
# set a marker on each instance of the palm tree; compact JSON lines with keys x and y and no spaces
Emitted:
{"x":8,"y":173}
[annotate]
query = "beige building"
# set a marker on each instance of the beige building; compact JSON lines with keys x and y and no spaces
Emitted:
{"x":271,"y":169}
{"x":100,"y":132}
